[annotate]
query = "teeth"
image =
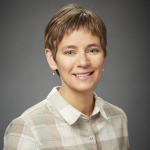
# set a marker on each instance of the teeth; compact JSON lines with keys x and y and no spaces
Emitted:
{"x":82,"y":75}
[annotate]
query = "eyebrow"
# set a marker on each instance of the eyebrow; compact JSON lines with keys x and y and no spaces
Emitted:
{"x":88,"y":46}
{"x":69,"y":46}
{"x":93,"y":45}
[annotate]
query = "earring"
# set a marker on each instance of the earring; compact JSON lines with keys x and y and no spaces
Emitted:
{"x":54,"y":72}
{"x":103,"y":69}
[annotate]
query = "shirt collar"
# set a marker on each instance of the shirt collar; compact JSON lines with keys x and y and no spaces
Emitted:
{"x":99,"y":107}
{"x":67,"y":111}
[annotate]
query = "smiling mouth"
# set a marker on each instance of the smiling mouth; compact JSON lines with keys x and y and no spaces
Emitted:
{"x":84,"y":74}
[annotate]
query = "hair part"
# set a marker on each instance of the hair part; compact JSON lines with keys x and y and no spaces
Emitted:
{"x":70,"y":18}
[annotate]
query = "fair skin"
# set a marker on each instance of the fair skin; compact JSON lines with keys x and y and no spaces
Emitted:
{"x":80,"y":61}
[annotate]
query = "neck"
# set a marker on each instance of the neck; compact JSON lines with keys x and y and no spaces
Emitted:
{"x":82,"y":101}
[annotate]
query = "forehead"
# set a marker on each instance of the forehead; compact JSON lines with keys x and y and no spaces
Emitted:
{"x":79,"y":37}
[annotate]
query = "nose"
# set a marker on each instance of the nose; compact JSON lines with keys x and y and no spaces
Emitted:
{"x":82,"y":60}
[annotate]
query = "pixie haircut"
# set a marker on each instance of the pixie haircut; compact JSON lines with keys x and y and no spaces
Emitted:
{"x":70,"y":18}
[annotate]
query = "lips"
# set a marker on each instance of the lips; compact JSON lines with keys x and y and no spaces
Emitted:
{"x":83,"y":74}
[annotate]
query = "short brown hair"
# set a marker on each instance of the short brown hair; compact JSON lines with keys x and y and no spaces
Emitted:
{"x":70,"y":18}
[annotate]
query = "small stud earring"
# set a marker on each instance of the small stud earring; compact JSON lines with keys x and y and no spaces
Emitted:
{"x":103,"y":69}
{"x":54,"y":72}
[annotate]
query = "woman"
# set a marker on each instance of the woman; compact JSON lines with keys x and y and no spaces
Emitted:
{"x":72,"y":116}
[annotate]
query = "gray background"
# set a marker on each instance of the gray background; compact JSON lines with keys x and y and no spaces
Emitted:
{"x":26,"y":79}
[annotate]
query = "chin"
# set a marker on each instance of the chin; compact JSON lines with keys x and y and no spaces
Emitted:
{"x":83,"y":88}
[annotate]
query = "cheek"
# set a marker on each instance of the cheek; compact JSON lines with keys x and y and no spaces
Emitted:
{"x":99,"y":62}
{"x":64,"y":66}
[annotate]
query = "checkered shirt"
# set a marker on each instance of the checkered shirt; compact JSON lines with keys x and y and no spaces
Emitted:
{"x":53,"y":124}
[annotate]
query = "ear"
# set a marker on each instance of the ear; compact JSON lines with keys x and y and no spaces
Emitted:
{"x":50,"y":59}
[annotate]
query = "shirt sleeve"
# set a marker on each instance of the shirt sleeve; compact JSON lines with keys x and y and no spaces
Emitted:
{"x":19,"y":136}
{"x":128,"y":132}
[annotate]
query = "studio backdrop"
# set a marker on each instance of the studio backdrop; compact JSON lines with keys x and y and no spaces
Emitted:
{"x":26,"y":79}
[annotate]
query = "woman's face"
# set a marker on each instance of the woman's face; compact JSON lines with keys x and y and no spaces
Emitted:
{"x":80,"y":60}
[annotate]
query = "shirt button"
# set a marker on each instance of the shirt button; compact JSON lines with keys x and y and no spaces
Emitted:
{"x":91,"y":137}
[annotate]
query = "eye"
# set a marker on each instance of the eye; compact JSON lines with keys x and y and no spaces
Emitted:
{"x":93,"y":50}
{"x":70,"y":53}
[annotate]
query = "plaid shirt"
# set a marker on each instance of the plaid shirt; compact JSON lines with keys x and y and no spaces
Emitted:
{"x":53,"y":124}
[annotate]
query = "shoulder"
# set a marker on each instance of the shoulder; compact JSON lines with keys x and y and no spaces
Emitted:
{"x":24,"y":125}
{"x":34,"y":113}
{"x":116,"y":122}
{"x":111,"y":110}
